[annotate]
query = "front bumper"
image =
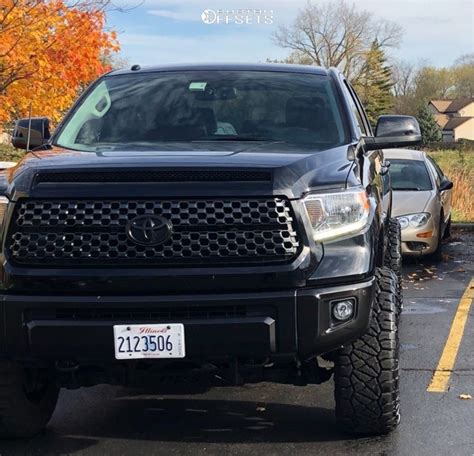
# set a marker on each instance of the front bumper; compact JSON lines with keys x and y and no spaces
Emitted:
{"x":247,"y":326}
{"x":414,"y":245}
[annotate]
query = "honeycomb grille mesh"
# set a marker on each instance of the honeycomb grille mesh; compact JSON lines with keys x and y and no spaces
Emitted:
{"x":82,"y":232}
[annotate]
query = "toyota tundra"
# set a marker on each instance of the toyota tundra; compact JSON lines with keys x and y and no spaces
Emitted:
{"x":203,"y":225}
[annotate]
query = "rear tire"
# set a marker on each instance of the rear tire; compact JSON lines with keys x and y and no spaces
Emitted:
{"x":367,"y":370}
{"x":393,"y":257}
{"x":27,"y":400}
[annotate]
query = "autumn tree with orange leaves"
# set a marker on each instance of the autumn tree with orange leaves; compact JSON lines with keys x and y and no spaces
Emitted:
{"x":48,"y":50}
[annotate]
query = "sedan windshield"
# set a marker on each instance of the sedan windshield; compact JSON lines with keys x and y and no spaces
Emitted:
{"x":409,"y":175}
{"x":144,"y":110}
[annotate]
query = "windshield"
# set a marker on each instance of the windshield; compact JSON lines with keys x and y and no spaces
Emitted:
{"x":144,"y":110}
{"x":409,"y":175}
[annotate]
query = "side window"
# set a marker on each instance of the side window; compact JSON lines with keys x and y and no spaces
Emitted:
{"x":438,"y":174}
{"x":361,"y":110}
{"x":355,"y":110}
{"x":436,"y":167}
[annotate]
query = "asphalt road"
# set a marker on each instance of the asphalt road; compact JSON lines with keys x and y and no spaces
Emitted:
{"x":274,"y":419}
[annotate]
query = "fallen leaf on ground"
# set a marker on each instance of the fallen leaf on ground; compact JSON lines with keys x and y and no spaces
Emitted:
{"x":465,"y":396}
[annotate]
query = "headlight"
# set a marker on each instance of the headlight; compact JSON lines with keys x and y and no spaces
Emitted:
{"x":333,"y":215}
{"x":414,"y":220}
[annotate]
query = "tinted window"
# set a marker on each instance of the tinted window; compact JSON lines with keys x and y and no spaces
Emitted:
{"x":355,"y":111}
{"x":437,"y":170}
{"x":147,"y":109}
{"x":409,"y":175}
{"x":362,"y":113}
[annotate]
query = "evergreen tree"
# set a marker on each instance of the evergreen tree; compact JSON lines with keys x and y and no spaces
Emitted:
{"x":375,"y":83}
{"x":430,"y":131}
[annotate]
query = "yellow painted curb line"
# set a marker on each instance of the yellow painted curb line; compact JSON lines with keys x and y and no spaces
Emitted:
{"x":439,"y":382}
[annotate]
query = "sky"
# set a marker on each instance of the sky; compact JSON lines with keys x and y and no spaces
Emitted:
{"x":152,"y":32}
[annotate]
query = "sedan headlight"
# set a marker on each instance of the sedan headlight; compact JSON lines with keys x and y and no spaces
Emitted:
{"x":414,"y":220}
{"x":334,"y":215}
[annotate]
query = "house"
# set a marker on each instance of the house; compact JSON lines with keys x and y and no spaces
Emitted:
{"x":455,"y":118}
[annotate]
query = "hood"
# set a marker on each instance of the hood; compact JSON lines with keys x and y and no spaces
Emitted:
{"x":292,"y":171}
{"x":410,"y":202}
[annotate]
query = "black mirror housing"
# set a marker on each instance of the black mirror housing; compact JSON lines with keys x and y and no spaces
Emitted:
{"x":445,"y":184}
{"x":395,"y":131}
{"x":389,"y":126}
{"x":39,"y":134}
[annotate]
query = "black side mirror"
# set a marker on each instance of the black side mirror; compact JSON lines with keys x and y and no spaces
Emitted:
{"x":445,"y":184}
{"x":39,"y":133}
{"x":394,"y":131}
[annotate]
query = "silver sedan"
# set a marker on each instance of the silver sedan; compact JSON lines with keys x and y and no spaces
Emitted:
{"x":421,"y":201}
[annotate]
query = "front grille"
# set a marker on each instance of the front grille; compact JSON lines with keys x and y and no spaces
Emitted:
{"x":156,"y":314}
{"x":210,"y":231}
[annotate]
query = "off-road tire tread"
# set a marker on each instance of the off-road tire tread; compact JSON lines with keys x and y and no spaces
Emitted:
{"x":393,"y":257}
{"x":20,"y":418}
{"x":367,"y":370}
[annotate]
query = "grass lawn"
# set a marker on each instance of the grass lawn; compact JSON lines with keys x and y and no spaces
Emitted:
{"x":458,"y":165}
{"x":9,"y":153}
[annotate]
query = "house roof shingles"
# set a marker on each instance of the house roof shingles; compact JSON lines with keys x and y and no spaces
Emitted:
{"x":441,"y":105}
{"x":450,"y":106}
{"x":454,"y":122}
{"x":441,"y":119}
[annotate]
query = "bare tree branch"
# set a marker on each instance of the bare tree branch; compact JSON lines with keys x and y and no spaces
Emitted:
{"x":336,"y":34}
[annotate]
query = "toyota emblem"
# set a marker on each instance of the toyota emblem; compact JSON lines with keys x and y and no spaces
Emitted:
{"x":149,"y":230}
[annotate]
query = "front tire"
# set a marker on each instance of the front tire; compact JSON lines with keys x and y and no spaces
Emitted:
{"x":437,"y":255}
{"x":27,"y":400}
{"x":393,"y":257}
{"x":367,"y":370}
{"x":447,"y":230}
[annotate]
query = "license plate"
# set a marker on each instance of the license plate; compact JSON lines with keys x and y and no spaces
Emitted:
{"x":149,"y":341}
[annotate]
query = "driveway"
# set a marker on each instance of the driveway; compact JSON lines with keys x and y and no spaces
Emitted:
{"x":275,"y":419}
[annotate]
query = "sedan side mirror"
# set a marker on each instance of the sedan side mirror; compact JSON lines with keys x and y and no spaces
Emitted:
{"x":39,"y":133}
{"x":394,"y":131}
{"x":445,"y":184}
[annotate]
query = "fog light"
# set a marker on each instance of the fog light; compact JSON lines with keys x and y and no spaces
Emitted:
{"x":343,"y":310}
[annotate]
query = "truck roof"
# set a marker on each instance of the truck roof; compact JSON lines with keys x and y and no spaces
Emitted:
{"x":277,"y":67}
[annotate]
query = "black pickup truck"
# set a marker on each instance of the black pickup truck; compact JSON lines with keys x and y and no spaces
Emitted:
{"x":203,"y":225}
